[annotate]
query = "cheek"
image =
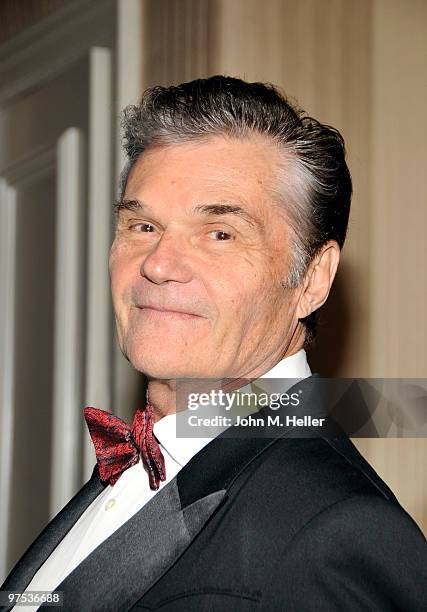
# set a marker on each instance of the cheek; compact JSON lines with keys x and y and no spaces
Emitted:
{"x":256,"y":297}
{"x":123,"y":260}
{"x":239,"y":291}
{"x":117,"y":277}
{"x":122,"y":273}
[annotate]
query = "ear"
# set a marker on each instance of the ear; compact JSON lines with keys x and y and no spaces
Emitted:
{"x":318,"y":279}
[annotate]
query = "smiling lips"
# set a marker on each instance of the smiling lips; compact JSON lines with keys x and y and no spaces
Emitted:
{"x":158,"y":311}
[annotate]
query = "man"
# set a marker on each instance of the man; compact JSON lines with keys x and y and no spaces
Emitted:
{"x":232,"y":215}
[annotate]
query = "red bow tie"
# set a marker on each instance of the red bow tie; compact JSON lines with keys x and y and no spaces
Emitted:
{"x":117,"y":446}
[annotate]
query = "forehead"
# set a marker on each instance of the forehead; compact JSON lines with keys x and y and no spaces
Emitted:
{"x":219,"y":165}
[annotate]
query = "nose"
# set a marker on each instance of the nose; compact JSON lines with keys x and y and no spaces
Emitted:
{"x":167,"y":261}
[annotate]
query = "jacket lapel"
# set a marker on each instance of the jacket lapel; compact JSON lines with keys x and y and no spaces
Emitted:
{"x":125,"y":566}
{"x":23,"y":572}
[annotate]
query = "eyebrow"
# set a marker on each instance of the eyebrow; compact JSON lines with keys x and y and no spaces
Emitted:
{"x":214,"y":210}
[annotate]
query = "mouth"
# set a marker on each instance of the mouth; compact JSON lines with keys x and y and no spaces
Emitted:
{"x":157,"y":311}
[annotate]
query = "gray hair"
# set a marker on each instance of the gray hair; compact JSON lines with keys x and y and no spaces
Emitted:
{"x":315,"y":193}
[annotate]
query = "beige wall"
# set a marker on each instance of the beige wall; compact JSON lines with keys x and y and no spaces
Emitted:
{"x":398,"y":247}
{"x":359,"y":65}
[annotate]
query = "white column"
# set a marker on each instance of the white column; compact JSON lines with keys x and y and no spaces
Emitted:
{"x":67,"y":396}
{"x":130,"y":84}
{"x":7,"y":328}
{"x":99,"y":319}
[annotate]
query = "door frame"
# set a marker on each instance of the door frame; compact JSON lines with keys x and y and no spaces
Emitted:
{"x":110,"y":34}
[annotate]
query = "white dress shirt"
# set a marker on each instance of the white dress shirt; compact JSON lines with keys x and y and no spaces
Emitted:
{"x":117,"y":504}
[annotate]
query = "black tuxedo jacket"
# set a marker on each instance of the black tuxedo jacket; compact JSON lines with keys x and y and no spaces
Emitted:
{"x":284,"y":523}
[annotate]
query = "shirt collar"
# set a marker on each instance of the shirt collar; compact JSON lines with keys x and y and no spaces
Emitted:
{"x":183,"y":449}
{"x":293,"y":366}
{"x":180,"y":449}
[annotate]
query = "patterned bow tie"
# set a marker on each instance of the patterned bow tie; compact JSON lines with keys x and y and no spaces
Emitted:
{"x":117,"y":446}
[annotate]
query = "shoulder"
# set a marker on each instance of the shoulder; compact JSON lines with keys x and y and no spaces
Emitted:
{"x":363,"y":552}
{"x":325,"y":469}
{"x":345,"y":542}
{"x":364,"y":524}
{"x":299,"y":482}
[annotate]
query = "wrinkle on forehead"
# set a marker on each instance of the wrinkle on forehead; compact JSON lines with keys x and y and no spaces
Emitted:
{"x":217,"y":168}
{"x":221,"y":172}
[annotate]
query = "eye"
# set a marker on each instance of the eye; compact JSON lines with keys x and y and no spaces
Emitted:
{"x":220,"y":235}
{"x":142,"y":227}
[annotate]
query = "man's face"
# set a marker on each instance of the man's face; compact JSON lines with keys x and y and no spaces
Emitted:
{"x":199,"y":253}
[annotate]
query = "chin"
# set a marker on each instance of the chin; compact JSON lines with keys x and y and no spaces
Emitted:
{"x":165,"y":369}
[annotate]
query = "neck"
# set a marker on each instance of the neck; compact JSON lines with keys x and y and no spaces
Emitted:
{"x":162,"y":393}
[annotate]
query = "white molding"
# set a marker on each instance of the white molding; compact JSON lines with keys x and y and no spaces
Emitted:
{"x":23,"y":172}
{"x":99,"y":316}
{"x":129,"y":45}
{"x":7,"y":343}
{"x":27,"y":62}
{"x":68,"y":352}
{"x":30,"y":168}
{"x":46,"y":49}
{"x":130,"y":32}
